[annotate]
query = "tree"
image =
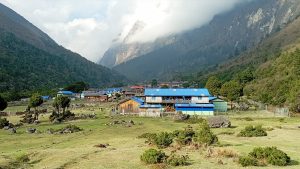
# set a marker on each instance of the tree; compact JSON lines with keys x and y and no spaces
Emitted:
{"x":3,"y":104}
{"x":77,"y":87}
{"x":61,"y":102}
{"x":231,"y":90}
{"x":214,"y":85}
{"x":245,"y":76}
{"x":154,"y":83}
{"x":35,"y":101}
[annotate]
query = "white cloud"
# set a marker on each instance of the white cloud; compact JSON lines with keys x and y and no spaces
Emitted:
{"x":89,"y":27}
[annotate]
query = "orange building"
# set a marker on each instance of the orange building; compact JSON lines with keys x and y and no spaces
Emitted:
{"x":130,"y":106}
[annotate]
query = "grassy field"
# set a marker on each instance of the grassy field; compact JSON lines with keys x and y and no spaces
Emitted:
{"x":77,"y":150}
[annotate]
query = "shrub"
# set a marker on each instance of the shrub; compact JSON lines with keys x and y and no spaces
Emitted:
{"x":205,"y":136}
{"x":267,"y":155}
{"x":3,"y":122}
{"x":248,"y":161}
{"x":163,"y":139}
{"x":176,"y":160}
{"x":251,"y":131}
{"x":184,"y":137}
{"x":272,"y":155}
{"x":153,"y":156}
{"x":68,"y":115}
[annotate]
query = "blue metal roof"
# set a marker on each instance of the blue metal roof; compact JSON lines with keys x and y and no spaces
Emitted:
{"x":66,"y":92}
{"x":151,"y":106}
{"x":177,"y":92}
{"x":212,"y":98}
{"x":139,"y":100}
{"x":194,"y":105}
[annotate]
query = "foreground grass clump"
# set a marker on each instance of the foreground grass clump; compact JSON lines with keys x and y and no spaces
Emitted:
{"x":262,"y":156}
{"x":153,"y":156}
{"x":177,"y":160}
{"x":253,"y":131}
{"x":204,"y":135}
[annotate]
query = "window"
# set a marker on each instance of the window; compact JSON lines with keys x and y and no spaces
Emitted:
{"x":152,"y":98}
{"x":200,"y":98}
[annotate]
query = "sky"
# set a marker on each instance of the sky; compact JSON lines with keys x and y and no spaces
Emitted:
{"x":90,"y":27}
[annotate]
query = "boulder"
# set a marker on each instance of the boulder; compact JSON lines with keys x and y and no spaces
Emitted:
{"x":218,"y":122}
{"x":36,"y":122}
{"x":13,"y":130}
{"x":6,"y":128}
{"x":31,"y":130}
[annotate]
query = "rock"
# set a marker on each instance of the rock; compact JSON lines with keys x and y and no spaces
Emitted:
{"x":101,"y":145}
{"x":36,"y":122}
{"x":13,"y":130}
{"x":31,"y":130}
{"x":219,"y":122}
{"x":131,"y":122}
{"x":6,"y":128}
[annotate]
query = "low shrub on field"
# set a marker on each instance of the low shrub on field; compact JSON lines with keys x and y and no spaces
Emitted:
{"x":59,"y":117}
{"x":177,"y":160}
{"x":248,"y":161}
{"x":204,"y":135}
{"x":184,"y":137}
{"x":253,"y":131}
{"x":153,"y":156}
{"x":3,"y":122}
{"x":163,"y":139}
{"x":68,"y":129}
{"x":262,"y":156}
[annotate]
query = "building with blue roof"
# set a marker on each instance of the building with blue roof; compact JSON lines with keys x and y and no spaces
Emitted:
{"x":188,"y":101}
{"x":66,"y":93}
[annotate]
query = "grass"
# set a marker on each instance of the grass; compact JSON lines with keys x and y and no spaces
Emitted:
{"x":77,"y":150}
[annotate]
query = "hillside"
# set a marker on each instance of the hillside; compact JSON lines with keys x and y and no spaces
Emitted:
{"x":225,"y":37}
{"x":275,"y":65}
{"x":31,"y":61}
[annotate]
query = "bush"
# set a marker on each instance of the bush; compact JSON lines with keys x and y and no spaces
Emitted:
{"x":3,"y":122}
{"x":261,"y":156}
{"x":68,"y":129}
{"x":28,"y":118}
{"x":176,"y":160}
{"x":153,"y":156}
{"x":272,"y":155}
{"x":163,"y":139}
{"x":251,"y":131}
{"x":184,"y":137}
{"x":68,"y":115}
{"x":248,"y":161}
{"x":205,"y":136}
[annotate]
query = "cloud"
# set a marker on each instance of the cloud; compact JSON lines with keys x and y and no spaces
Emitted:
{"x":90,"y":27}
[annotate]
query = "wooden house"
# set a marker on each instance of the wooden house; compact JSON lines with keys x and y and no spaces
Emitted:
{"x":130,"y":106}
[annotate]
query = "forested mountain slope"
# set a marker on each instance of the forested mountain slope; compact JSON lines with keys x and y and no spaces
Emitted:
{"x":30,"y":60}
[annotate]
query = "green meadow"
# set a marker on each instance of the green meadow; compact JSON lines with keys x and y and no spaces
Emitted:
{"x":77,"y":150}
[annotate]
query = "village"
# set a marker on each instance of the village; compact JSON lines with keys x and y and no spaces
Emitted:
{"x":152,"y":102}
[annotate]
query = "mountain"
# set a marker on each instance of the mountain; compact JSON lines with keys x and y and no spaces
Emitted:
{"x":128,"y":50}
{"x":31,"y":61}
{"x":225,"y":37}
